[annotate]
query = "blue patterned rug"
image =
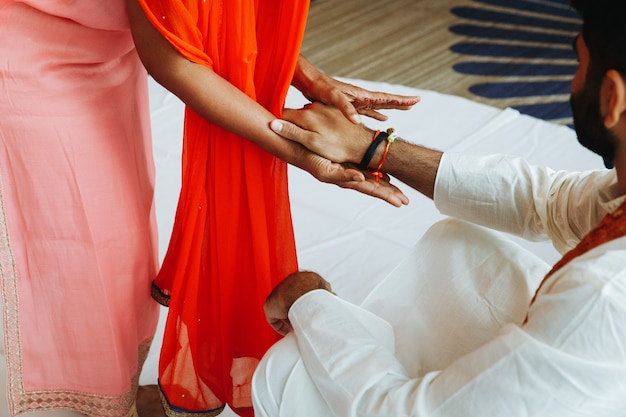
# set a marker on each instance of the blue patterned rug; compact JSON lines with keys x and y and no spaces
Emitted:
{"x":523,"y":49}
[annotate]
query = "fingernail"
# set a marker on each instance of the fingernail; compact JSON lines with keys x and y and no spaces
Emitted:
{"x":276,"y":126}
{"x":355,"y":118}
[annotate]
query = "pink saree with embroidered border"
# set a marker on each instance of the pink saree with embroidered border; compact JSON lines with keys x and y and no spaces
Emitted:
{"x":78,"y":247}
{"x":232,"y":239}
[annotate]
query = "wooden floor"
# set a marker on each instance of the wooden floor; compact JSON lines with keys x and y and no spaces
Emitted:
{"x":401,"y":42}
{"x":397,"y":41}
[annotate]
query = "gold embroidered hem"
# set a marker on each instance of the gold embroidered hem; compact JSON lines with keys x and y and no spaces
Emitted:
{"x":159,"y":296}
{"x":170,"y":412}
{"x":92,"y":405}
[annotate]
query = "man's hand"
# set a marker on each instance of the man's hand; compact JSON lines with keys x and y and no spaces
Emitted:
{"x":326,"y":133}
{"x":348,"y":176}
{"x":324,"y":130}
{"x":280,"y":300}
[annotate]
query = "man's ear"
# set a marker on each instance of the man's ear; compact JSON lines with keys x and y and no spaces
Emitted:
{"x":613,"y":98}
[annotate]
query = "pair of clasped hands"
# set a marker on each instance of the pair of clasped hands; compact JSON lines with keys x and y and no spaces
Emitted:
{"x":336,"y":132}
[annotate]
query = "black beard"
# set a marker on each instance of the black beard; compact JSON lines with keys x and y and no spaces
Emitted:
{"x":589,"y":126}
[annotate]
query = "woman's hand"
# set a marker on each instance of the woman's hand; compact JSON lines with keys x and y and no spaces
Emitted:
{"x":324,"y":130}
{"x":351,"y":100}
{"x":348,"y":176}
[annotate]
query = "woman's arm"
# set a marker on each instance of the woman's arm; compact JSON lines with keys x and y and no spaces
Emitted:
{"x":204,"y":91}
{"x":221,"y":103}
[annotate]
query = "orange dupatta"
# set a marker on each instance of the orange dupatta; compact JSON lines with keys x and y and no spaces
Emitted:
{"x":232,"y":239}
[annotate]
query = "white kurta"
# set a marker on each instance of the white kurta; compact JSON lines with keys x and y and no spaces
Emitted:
{"x":442,"y":335}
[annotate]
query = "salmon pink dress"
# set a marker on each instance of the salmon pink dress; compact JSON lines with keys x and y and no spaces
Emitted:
{"x":232,"y":239}
{"x":78,"y":248}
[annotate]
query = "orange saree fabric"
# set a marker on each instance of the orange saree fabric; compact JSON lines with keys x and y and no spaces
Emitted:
{"x":232,"y":239}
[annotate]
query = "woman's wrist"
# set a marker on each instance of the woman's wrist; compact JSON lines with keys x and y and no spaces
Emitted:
{"x":304,"y":77}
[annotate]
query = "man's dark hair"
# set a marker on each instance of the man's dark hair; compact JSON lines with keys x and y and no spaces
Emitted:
{"x":604,"y":32}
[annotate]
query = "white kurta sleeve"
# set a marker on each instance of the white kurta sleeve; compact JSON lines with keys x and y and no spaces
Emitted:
{"x":533,"y":202}
{"x":568,"y":360}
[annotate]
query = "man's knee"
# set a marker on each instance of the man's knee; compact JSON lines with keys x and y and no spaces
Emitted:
{"x":282,"y":384}
{"x":453,"y":229}
{"x":272,"y":374}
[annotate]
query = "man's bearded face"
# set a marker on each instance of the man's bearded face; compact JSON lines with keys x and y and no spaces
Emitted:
{"x":589,"y":124}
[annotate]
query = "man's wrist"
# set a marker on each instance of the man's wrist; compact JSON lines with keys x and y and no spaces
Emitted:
{"x":378,"y":138}
{"x":378,"y":149}
{"x":297,"y":285}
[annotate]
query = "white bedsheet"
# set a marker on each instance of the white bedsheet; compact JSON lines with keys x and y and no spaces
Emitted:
{"x":355,"y":240}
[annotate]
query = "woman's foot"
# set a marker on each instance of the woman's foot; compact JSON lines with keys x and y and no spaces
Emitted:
{"x":149,"y":401}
